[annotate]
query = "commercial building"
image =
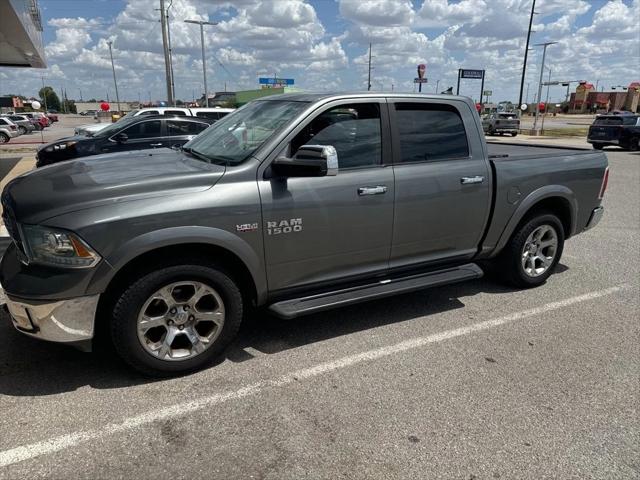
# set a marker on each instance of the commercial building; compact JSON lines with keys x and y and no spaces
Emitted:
{"x":21,"y":34}
{"x":587,"y":99}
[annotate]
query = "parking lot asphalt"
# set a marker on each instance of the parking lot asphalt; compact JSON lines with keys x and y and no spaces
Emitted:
{"x":470,"y":381}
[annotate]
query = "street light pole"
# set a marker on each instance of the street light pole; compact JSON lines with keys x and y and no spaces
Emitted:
{"x":437,"y":84}
{"x":544,"y":54}
{"x":204,"y":61}
{"x":526,"y":53}
{"x":113,"y":68}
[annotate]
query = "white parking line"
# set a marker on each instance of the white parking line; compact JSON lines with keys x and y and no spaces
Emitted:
{"x":55,"y":444}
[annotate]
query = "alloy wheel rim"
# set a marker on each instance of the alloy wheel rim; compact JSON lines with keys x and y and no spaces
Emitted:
{"x":180,"y":320}
{"x":539,"y":251}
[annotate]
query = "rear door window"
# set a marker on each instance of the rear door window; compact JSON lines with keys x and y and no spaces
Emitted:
{"x":430,"y":132}
{"x":177,"y":127}
{"x":175,"y":112}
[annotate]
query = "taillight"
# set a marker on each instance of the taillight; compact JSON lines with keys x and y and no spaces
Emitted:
{"x":605,"y":182}
{"x":12,"y":127}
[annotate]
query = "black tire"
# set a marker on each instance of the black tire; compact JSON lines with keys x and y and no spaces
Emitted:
{"x":597,"y":146}
{"x":490,"y":132}
{"x":22,"y":130}
{"x":123,"y":323}
{"x":4,"y":138}
{"x":509,"y":263}
{"x":514,"y":134}
{"x":634,"y":144}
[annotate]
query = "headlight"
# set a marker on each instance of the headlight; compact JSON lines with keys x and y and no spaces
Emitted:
{"x":58,"y":248}
{"x":59,"y":146}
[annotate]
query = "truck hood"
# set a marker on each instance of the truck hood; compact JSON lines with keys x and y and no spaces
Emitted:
{"x":102,"y":179}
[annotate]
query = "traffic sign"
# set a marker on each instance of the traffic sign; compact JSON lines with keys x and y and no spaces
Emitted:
{"x":487,"y":93}
{"x":275,"y":81}
{"x":420,"y":80}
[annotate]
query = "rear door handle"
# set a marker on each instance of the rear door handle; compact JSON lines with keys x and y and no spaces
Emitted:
{"x":377,"y":190}
{"x":155,"y":145}
{"x":470,"y":180}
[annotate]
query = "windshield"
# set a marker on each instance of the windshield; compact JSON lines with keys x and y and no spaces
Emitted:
{"x":130,"y":114}
{"x":616,"y":120}
{"x":114,"y":127}
{"x":238,"y":135}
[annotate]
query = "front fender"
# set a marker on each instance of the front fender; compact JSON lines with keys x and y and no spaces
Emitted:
{"x":542,"y":193}
{"x":172,"y":236}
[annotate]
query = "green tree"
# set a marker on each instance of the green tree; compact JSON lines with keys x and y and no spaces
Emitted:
{"x":49,"y":98}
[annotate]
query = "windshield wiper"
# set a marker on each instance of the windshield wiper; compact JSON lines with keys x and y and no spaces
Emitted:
{"x":203,"y":157}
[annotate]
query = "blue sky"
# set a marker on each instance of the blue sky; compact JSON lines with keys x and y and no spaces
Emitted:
{"x":323,"y":44}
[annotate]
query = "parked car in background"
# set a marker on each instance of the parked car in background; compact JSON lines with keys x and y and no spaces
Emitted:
{"x":38,"y":118}
{"x":85,"y":113}
{"x":8,"y":130}
{"x":500,"y":123}
{"x":298,"y":203}
{"x":24,"y":123}
{"x":135,"y":133}
{"x":53,"y":117}
{"x":622,"y":130}
{"x":212,"y":114}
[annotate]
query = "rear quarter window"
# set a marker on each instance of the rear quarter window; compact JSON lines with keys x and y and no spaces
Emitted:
{"x":608,"y":121}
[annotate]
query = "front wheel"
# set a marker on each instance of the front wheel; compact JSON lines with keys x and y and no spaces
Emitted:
{"x":597,"y":146}
{"x":514,"y":134}
{"x":634,"y":144}
{"x":176,"y":319}
{"x":22,"y":130}
{"x":533,"y":251}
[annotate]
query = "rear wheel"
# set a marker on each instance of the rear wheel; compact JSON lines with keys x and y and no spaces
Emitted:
{"x":634,"y":144}
{"x":22,"y":130}
{"x":514,"y":134}
{"x":176,"y":319}
{"x":4,"y":138}
{"x":597,"y":146}
{"x":533,"y":251}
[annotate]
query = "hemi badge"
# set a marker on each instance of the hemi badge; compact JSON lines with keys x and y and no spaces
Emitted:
{"x":247,"y":227}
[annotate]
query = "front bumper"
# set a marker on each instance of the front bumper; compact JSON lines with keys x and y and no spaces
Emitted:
{"x":595,"y":218}
{"x":63,"y":321}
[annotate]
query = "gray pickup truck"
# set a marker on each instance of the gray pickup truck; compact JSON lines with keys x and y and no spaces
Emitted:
{"x":295,"y":203}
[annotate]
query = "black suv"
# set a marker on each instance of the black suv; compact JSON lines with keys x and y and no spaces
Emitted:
{"x":135,"y":133}
{"x":621,"y":130}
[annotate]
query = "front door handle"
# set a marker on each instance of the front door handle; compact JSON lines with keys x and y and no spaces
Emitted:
{"x":377,"y":190}
{"x":155,"y":145}
{"x":471,"y":180}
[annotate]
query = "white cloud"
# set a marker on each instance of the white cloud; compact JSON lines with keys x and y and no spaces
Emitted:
{"x":378,"y":12}
{"x":297,"y":38}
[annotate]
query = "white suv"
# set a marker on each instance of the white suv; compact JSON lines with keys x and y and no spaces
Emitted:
{"x":8,"y":130}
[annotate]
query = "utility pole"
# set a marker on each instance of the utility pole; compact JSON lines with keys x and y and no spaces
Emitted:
{"x":204,"y":58}
{"x":527,"y":100}
{"x":544,"y":54}
{"x":369,"y":77}
{"x":526,"y":54}
{"x":80,"y":94}
{"x":437,"y":84}
{"x":165,"y":46}
{"x":173,"y":84}
{"x":115,"y":82}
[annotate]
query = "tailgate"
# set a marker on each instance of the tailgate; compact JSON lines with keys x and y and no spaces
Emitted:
{"x":604,"y":132}
{"x":508,"y":123}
